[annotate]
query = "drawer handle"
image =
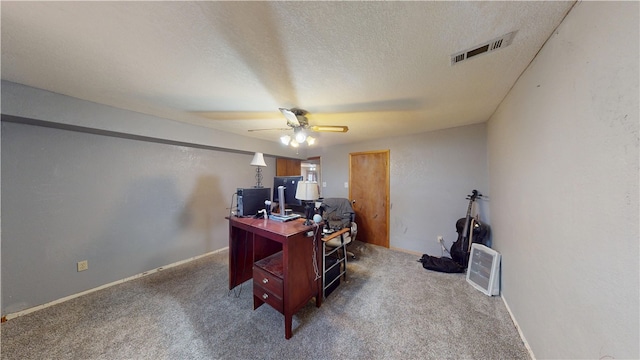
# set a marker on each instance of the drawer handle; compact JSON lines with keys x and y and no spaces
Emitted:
{"x":265,"y":280}
{"x":265,"y":296}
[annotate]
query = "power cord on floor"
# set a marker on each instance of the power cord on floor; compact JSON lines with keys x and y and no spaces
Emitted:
{"x":231,"y":213}
{"x":315,"y":251}
{"x":442,"y":248}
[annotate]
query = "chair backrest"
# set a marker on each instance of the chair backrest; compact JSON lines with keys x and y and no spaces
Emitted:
{"x":338,"y":212}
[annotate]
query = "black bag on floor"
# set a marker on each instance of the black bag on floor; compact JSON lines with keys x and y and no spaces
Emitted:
{"x":441,"y":264}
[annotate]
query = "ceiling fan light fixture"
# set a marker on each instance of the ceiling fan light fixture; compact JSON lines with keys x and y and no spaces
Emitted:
{"x":311,"y":140}
{"x":301,"y":136}
{"x":285,"y":139}
{"x":298,"y":122}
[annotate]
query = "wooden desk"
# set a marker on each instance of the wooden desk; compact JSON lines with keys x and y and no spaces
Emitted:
{"x":280,"y":257}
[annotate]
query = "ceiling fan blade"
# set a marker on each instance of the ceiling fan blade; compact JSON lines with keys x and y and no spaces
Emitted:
{"x":292,"y":119}
{"x":279,"y":129}
{"x":237,"y":115}
{"x":329,"y":128}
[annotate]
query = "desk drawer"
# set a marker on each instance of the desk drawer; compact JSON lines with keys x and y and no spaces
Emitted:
{"x":267,"y":296}
{"x":268,"y":281}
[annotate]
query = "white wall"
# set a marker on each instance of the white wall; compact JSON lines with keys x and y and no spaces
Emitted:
{"x":430,"y":176}
{"x":563,"y":155}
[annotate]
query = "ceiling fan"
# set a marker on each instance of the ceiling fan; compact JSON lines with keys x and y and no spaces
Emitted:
{"x":297,"y":120}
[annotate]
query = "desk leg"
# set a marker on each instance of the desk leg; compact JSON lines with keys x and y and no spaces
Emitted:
{"x":240,"y":256}
{"x":257,"y":302}
{"x":288,"y":319}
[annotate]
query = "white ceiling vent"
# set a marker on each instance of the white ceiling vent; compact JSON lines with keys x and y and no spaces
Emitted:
{"x":489,"y":46}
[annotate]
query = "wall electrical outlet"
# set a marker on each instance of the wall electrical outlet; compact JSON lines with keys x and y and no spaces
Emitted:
{"x":83,"y":265}
{"x":440,"y":239}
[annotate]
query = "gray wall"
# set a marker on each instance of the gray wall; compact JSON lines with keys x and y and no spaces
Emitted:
{"x":69,"y":196}
{"x":32,"y":103}
{"x":563,"y":154}
{"x":126,"y":206}
{"x":430,"y":175}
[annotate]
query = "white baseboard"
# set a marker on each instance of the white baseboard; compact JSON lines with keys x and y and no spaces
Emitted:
{"x":412,"y":252}
{"x":524,"y":340}
{"x":66,"y":298}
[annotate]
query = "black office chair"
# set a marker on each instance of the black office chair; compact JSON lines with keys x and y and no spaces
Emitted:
{"x":340,"y":230}
{"x":337,"y":214}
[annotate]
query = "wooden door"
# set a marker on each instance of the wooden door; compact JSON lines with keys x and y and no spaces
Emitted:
{"x":287,"y":167}
{"x":369,"y":191}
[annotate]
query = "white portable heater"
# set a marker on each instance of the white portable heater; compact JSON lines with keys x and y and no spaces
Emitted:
{"x":483,"y":271}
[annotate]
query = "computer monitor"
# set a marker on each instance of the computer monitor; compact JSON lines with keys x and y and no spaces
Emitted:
{"x":290,"y":184}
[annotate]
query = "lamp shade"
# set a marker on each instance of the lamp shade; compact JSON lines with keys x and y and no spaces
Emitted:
{"x":285,"y":139}
{"x":258,"y":160}
{"x":307,"y":190}
{"x":311,"y":140}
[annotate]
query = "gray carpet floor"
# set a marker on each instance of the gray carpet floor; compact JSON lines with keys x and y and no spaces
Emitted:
{"x":389,"y":308}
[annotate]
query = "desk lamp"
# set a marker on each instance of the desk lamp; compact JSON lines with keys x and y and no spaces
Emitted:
{"x":258,"y":162}
{"x":308,"y":192}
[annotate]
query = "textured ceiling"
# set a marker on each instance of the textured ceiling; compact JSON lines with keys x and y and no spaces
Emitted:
{"x":381,"y":68}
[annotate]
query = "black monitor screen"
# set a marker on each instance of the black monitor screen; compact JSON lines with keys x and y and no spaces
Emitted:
{"x":290,"y":184}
